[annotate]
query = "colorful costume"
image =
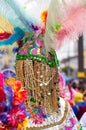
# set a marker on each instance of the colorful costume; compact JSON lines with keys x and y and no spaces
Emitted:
{"x":36,"y":60}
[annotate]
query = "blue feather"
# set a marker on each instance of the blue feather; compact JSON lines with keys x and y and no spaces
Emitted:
{"x":18,"y":35}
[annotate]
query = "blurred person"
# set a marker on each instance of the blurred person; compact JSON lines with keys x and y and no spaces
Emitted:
{"x":68,"y":93}
{"x":78,"y":98}
{"x":81,"y":87}
{"x":74,"y":88}
{"x":84,"y":96}
{"x":80,"y":105}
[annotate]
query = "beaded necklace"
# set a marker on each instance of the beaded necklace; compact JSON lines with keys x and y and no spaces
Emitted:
{"x":55,"y":124}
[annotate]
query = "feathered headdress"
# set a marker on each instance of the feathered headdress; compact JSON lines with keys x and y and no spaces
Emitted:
{"x":36,"y":70}
{"x":66,"y":20}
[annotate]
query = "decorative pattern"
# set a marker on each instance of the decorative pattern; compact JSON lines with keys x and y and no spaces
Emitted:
{"x":65,"y":121}
{"x":12,"y":108}
{"x":54,"y":62}
{"x":41,"y":85}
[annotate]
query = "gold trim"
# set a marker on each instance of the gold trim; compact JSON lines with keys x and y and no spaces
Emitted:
{"x":55,"y":124}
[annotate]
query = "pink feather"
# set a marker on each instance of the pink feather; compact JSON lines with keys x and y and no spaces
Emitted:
{"x":74,"y":25}
{"x":72,"y":18}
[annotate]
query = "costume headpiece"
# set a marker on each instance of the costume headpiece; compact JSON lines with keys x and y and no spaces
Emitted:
{"x":36,"y":60}
{"x":36,"y":69}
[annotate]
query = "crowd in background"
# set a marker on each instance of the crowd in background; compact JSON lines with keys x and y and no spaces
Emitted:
{"x":75,"y":93}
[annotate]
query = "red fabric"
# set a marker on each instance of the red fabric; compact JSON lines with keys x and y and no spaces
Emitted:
{"x":4,"y":35}
{"x":82,"y":109}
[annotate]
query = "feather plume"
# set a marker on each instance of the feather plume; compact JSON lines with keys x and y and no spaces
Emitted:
{"x":66,"y":20}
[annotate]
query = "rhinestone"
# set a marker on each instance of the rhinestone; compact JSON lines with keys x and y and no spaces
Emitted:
{"x":38,"y":72}
{"x":45,"y":84}
{"x":41,"y":84}
{"x":49,"y":93}
{"x":41,"y":76}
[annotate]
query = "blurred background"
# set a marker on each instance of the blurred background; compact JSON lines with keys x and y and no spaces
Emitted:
{"x":72,"y":57}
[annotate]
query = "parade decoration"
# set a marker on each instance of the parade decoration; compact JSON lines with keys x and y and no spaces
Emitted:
{"x":65,"y":21}
{"x":8,"y":73}
{"x":31,"y":99}
{"x":12,"y":109}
